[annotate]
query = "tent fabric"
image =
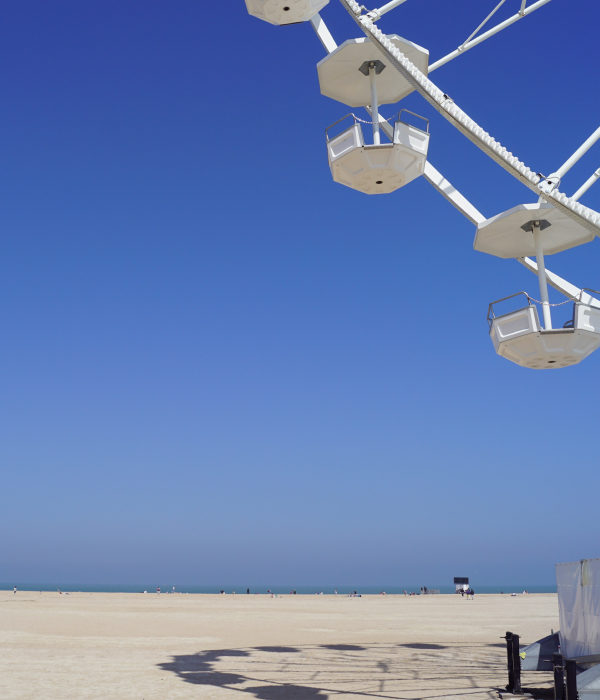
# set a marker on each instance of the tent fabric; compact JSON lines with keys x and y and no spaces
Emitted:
{"x":578,"y":586}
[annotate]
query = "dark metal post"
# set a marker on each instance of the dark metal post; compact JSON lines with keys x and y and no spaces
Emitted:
{"x":510,"y":664}
{"x":513,"y":662}
{"x":516,"y":663}
{"x":559,"y":676}
{"x":571,"y":672}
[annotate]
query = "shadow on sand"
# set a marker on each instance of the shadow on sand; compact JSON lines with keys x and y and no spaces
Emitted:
{"x":419,"y":671}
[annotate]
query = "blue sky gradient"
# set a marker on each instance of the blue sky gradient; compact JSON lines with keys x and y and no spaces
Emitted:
{"x":219,"y":365}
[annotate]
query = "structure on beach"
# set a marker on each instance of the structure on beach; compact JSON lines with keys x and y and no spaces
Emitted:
{"x":461,"y":584}
{"x":573,"y":653}
{"x":377,"y":156}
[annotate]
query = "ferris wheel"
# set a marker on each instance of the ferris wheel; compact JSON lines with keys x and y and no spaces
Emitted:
{"x":377,"y":156}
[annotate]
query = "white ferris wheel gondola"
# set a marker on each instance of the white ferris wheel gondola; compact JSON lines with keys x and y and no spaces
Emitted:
{"x":355,"y":74}
{"x":519,"y":336}
{"x":538,"y":229}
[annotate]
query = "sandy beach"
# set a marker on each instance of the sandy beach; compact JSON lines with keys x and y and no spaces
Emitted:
{"x":110,"y":645}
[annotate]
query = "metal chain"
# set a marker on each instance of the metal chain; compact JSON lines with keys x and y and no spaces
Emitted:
{"x":560,"y":303}
{"x":364,"y":121}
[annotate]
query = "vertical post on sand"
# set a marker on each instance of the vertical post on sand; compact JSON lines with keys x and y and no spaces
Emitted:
{"x":559,"y":676}
{"x":571,"y":671}
{"x":516,"y":664}
{"x":510,"y":662}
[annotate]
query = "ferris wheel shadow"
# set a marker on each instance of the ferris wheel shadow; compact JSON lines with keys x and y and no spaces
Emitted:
{"x":411,"y":671}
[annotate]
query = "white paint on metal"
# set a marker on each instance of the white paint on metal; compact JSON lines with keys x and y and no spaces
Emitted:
{"x":323,"y":33}
{"x":340,"y":78}
{"x":539,"y":257}
{"x":392,"y":5}
{"x":285,"y":11}
{"x":517,"y":336}
{"x":378,"y":168}
{"x":586,"y":185}
{"x":503,"y":236}
{"x":486,"y":35}
{"x":374,"y":105}
{"x":581,"y":151}
{"x":485,"y":21}
{"x":452,"y":195}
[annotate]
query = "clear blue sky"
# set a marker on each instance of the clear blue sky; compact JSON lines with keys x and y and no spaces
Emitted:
{"x":218,"y":365}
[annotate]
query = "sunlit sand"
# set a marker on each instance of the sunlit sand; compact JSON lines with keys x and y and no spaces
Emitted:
{"x":109,"y":645}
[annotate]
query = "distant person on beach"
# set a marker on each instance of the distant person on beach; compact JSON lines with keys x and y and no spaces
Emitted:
{"x":14,"y":590}
{"x":247,"y":591}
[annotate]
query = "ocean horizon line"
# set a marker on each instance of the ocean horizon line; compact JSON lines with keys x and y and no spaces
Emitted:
{"x":315,"y":589}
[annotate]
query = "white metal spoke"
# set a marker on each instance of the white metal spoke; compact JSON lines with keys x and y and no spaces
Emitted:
{"x":486,"y":35}
{"x":323,"y":33}
{"x":376,"y":14}
{"x":485,"y":21}
{"x":586,"y":185}
{"x":553,"y":180}
{"x":450,"y":193}
{"x":581,"y":151}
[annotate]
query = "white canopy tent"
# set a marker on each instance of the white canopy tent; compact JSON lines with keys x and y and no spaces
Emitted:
{"x":578,"y":586}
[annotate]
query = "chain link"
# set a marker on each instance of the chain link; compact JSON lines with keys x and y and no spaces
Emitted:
{"x":365,"y":121}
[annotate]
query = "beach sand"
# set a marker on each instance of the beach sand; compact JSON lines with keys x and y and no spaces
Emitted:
{"x":121,"y":646}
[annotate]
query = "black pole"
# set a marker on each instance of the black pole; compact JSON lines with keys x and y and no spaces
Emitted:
{"x":571,"y":671}
{"x":559,"y":676}
{"x":516,"y":663}
{"x":510,"y":663}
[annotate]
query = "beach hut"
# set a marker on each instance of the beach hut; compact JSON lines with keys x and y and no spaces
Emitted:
{"x":461,"y":584}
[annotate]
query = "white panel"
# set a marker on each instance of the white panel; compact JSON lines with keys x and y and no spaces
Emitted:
{"x":578,"y":585}
{"x":587,"y":318}
{"x":416,"y":139}
{"x":345,"y":142}
{"x":516,"y":323}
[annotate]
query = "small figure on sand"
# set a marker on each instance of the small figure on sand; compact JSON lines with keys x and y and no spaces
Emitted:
{"x":14,"y":590}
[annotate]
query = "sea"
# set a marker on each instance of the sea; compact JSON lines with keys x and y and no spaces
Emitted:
{"x":174,"y":587}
